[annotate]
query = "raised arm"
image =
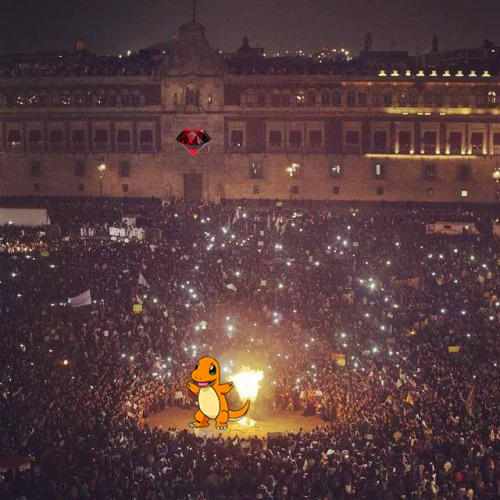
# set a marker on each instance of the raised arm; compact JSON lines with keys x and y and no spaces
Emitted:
{"x":193,"y":388}
{"x":225,"y":388}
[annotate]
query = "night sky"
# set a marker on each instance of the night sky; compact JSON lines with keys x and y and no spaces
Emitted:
{"x":114,"y":26}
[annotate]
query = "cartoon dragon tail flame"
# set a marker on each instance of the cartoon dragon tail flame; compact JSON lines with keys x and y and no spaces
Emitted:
{"x":237,"y":414}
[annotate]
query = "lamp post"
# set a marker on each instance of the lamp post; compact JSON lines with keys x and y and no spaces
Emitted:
{"x":496,"y":177}
{"x":102,"y":169}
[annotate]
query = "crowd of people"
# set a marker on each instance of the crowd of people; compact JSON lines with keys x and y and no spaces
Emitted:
{"x":389,"y":333}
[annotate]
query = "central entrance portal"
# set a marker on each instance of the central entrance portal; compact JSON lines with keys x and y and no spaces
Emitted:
{"x":193,"y":188}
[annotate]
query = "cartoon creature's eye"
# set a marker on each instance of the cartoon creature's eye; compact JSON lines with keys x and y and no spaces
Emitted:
{"x":212,"y":370}
{"x":196,"y":367}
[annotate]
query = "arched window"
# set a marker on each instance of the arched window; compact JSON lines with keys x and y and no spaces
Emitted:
{"x":300,"y":98}
{"x":428,"y":99}
{"x":311,"y":98}
{"x":66,"y":98}
{"x":112,"y":99}
{"x":276,"y":98}
{"x":78,"y":98}
{"x":286,"y":99}
{"x":492,"y":97}
{"x":102,"y":98}
{"x":439,"y":99}
{"x":55,"y":99}
{"x":190,"y":95}
{"x":88,"y":98}
{"x":337,"y":98}
{"x":136,"y":98}
{"x":261,"y":98}
{"x":250,"y":97}
{"x":403,"y":99}
{"x":387,"y":97}
{"x":125,"y":98}
{"x":325,"y":97}
{"x":21,"y":99}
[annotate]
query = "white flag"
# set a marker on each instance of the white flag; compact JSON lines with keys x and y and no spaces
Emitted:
{"x":142,"y":280}
{"x":83,"y":299}
{"x":231,"y":287}
{"x":138,"y":300}
{"x":283,"y":228}
{"x":236,"y":216}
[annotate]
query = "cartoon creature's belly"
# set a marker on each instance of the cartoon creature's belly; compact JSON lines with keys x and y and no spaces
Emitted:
{"x":208,"y":401}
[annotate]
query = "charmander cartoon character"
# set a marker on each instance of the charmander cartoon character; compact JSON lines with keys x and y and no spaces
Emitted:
{"x":211,"y":400}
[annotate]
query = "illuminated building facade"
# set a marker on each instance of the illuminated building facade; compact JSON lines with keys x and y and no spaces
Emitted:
{"x":395,"y":135}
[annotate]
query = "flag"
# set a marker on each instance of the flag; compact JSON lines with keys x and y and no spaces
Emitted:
{"x":277,"y":224}
{"x":268,"y":222}
{"x":236,"y":215}
{"x":453,"y":348}
{"x":138,"y":300}
{"x":340,"y":362}
{"x":137,"y":308}
{"x":142,"y":280}
{"x":81,"y":300}
{"x":388,"y":400}
{"x":409,"y":400}
{"x":283,"y":228}
{"x":231,"y":287}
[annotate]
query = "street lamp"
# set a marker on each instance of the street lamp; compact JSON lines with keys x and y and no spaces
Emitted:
{"x":102,"y":169}
{"x":496,"y":177}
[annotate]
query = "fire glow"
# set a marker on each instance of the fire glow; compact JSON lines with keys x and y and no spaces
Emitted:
{"x":246,"y":383}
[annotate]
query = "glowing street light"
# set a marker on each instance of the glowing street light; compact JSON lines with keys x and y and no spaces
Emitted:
{"x":101,"y":168}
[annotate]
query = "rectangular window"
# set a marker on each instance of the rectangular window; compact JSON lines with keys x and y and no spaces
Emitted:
{"x":335,"y":171}
{"x":14,"y":138}
{"x":380,"y":141}
{"x":101,"y":135}
{"x":404,"y":142}
{"x":275,"y":137}
{"x":295,"y":190}
{"x":256,"y":189}
{"x":56,"y":136}
{"x":123,"y":136}
{"x":236,"y":138}
{"x":36,"y":186}
{"x":315,"y":138}
{"x":80,"y":169}
{"x":36,"y":169}
{"x":464,"y":172}
{"x":387,"y":100}
{"x":379,"y":191}
{"x":335,"y":190}
{"x":476,"y":142}
{"x":146,"y":136}
{"x":124,"y":169}
{"x":78,"y":136}
{"x":352,"y":138}
{"x":496,"y":139}
{"x":125,"y":188}
{"x":429,"y":142}
{"x":379,"y":171}
{"x":80,"y":186}
{"x":295,"y":138}
{"x":362,"y":99}
{"x":35,"y":137}
{"x":430,"y":172}
{"x":351,"y":99}
{"x":255,"y":170}
{"x":455,"y":142}
{"x":429,"y":192}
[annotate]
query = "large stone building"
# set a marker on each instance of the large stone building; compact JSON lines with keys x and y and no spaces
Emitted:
{"x":303,"y":132}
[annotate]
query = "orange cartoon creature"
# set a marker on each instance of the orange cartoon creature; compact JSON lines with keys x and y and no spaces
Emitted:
{"x":211,"y":400}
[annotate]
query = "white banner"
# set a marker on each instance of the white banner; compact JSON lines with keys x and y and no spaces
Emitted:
{"x":81,"y":300}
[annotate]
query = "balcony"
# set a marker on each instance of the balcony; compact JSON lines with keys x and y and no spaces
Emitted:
{"x":123,"y":147}
{"x":79,"y":146}
{"x":352,"y":149}
{"x":101,"y":146}
{"x":429,"y":148}
{"x":295,"y":147}
{"x":275,"y":147}
{"x":316,"y":147}
{"x":236,"y":147}
{"x":146,"y":147}
{"x":57,"y":146}
{"x":35,"y":146}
